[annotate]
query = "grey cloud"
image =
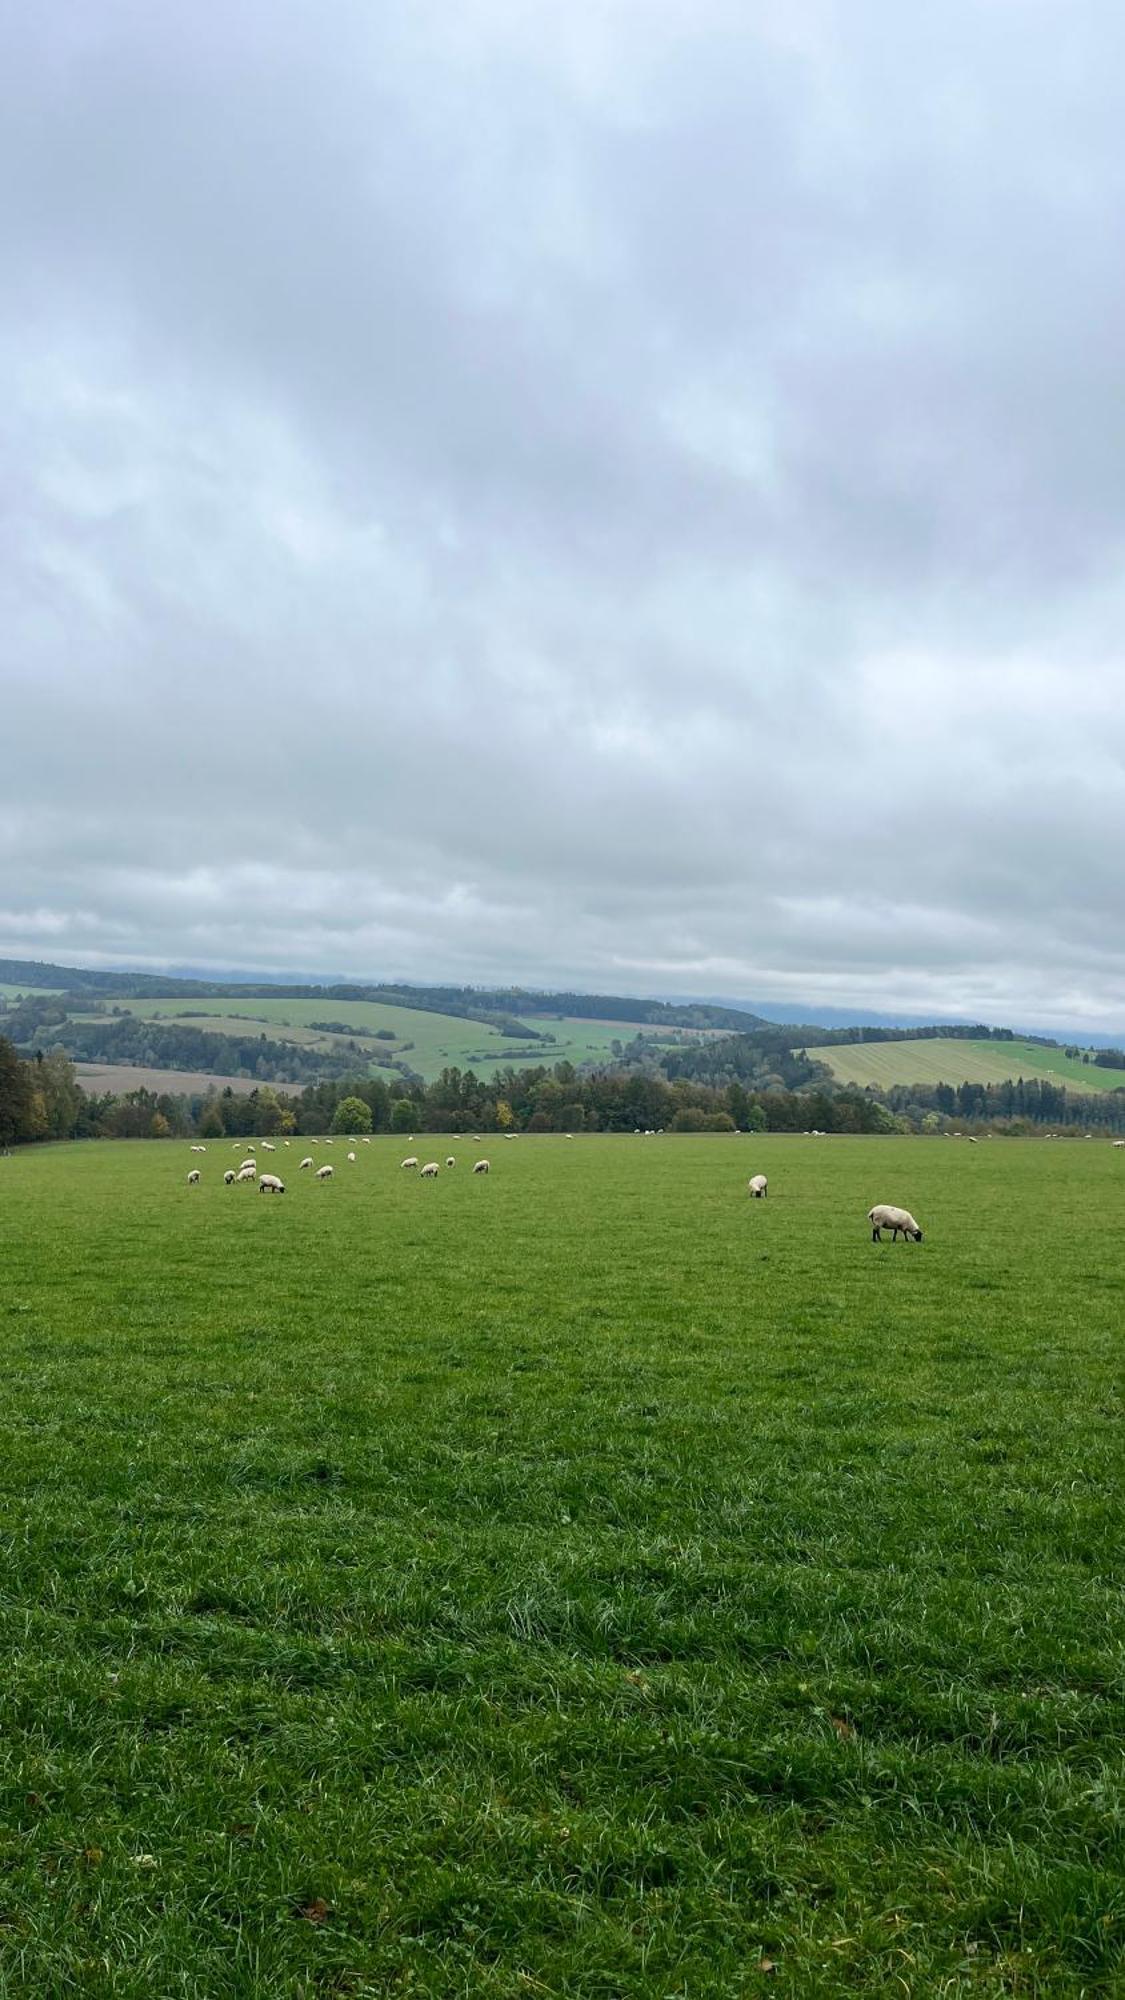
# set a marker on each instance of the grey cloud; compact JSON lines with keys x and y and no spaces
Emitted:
{"x":633,"y":499}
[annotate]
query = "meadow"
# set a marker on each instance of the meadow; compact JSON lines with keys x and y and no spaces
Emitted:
{"x":936,"y":1060}
{"x":579,"y":1580}
{"x":427,"y":1042}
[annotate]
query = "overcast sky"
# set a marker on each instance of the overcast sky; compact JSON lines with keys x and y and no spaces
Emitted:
{"x":628,"y":493}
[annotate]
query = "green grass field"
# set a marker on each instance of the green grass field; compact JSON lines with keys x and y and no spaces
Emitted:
{"x":427,"y":1042}
{"x":939,"y":1061}
{"x":576,"y":1581}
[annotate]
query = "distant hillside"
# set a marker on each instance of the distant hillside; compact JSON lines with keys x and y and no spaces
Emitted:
{"x":937,"y":1060}
{"x":478,"y":1003}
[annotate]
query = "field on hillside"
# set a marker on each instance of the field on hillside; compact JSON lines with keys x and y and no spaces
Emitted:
{"x":937,"y":1060}
{"x":8,"y":992}
{"x":121,"y":1077}
{"x":427,"y":1042}
{"x":575,"y":1581}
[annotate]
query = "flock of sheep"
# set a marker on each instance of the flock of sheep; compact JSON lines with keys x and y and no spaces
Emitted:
{"x":899,"y":1221}
{"x":273,"y":1184}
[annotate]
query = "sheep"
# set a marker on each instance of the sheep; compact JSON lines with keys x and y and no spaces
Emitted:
{"x":269,"y":1184}
{"x":228,"y":1176}
{"x":429,"y":1171}
{"x":758,"y":1185}
{"x":351,"y":1157}
{"x":324,"y":1173}
{"x":451,"y":1162}
{"x":197,"y":1149}
{"x":248,"y":1162}
{"x":306,"y":1162}
{"x":895,"y":1219}
{"x":1117,"y":1143}
{"x":193,"y":1177}
{"x":481,"y":1167}
{"x":366,"y":1140}
{"x":410,"y":1161}
{"x":267,"y":1148}
{"x":247,"y":1174}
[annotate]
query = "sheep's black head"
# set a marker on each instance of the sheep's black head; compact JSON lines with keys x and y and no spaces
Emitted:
{"x":917,"y":1236}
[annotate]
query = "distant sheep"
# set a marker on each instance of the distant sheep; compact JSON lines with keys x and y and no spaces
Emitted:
{"x":306,"y":1162}
{"x":267,"y":1148}
{"x":410,"y":1161}
{"x":249,"y":1173}
{"x":351,"y":1157}
{"x":429,"y":1171}
{"x":228,"y":1176}
{"x":269,"y":1184}
{"x":897,"y":1220}
{"x":1118,"y":1142}
{"x":197,"y":1149}
{"x":324,"y":1173}
{"x":193,"y":1177}
{"x":366,"y":1140}
{"x":481,"y":1167}
{"x":451,"y":1162}
{"x":758,"y":1186}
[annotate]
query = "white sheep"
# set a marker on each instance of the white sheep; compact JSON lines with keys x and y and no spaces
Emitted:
{"x":481,"y":1167}
{"x":197,"y":1149}
{"x":366,"y":1140}
{"x":451,"y":1162}
{"x":896,"y":1220}
{"x":410,"y":1161}
{"x":249,"y":1173}
{"x":351,"y":1157}
{"x":269,"y":1184}
{"x":324,"y":1173}
{"x":228,"y":1176}
{"x":1118,"y":1142}
{"x":267,"y":1148}
{"x":429,"y":1171}
{"x":758,"y":1186}
{"x":248,"y":1163}
{"x":306,"y":1162}
{"x":193,"y":1177}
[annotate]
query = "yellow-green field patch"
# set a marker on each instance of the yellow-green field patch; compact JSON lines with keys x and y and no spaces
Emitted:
{"x":951,"y":1060}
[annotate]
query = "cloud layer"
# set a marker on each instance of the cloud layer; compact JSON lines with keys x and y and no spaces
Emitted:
{"x":630,"y":495}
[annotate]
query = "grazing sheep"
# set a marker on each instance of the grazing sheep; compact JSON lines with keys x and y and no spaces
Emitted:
{"x":324,"y":1173}
{"x":410,"y":1161}
{"x":249,"y":1173}
{"x":197,"y":1149}
{"x":758,"y":1185}
{"x":351,"y":1157}
{"x":895,"y":1219}
{"x":193,"y":1177}
{"x":248,"y":1163}
{"x":1118,"y":1142}
{"x":481,"y":1167}
{"x":267,"y":1148}
{"x":429,"y":1171}
{"x":477,"y":1140}
{"x":306,"y":1162}
{"x":269,"y":1184}
{"x":366,"y":1140}
{"x":228,"y":1176}
{"x":451,"y":1162}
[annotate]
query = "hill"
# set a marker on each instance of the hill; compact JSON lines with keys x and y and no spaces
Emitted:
{"x":955,"y":1061}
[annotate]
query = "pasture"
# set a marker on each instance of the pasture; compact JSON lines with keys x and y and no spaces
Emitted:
{"x":427,"y":1042}
{"x":937,"y":1059}
{"x":578,"y":1581}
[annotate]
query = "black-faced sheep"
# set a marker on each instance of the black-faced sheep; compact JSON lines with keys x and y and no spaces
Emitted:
{"x":897,"y":1220}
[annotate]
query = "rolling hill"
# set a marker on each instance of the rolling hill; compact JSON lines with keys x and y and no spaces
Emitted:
{"x":936,"y":1060}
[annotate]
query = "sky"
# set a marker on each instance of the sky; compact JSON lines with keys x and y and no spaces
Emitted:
{"x":627,"y":494}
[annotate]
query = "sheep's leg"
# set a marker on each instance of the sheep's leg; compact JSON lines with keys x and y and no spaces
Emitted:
{"x":875,"y":1236}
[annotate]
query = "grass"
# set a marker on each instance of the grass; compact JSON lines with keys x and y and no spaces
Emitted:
{"x":577,"y":1581}
{"x":937,"y":1060}
{"x":427,"y":1042}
